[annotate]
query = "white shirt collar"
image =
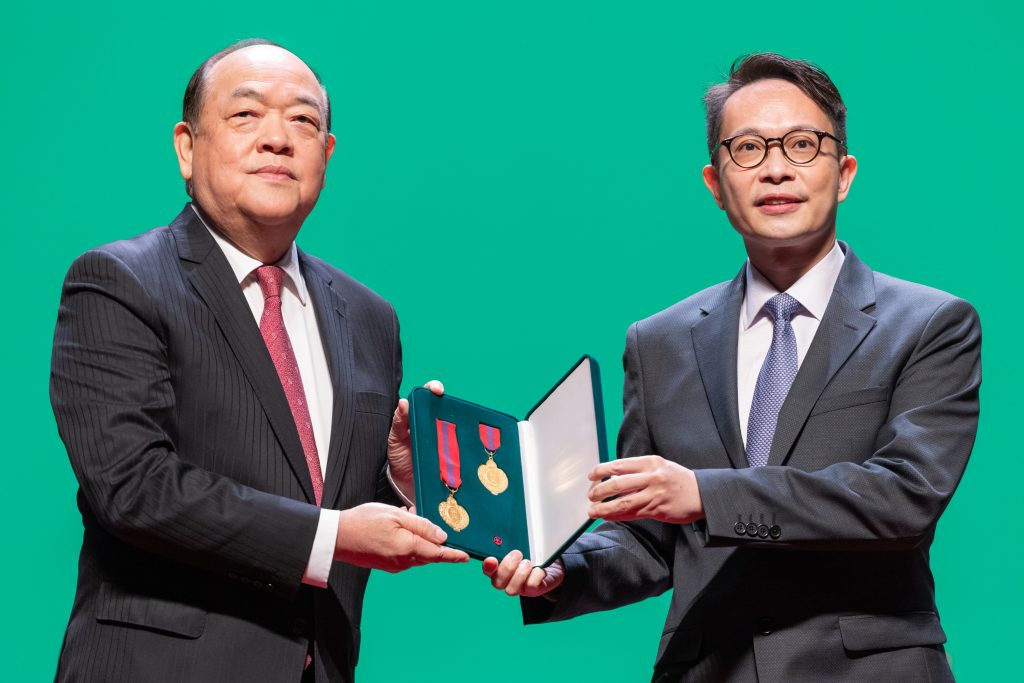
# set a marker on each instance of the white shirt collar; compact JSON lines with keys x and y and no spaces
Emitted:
{"x":813,"y":290}
{"x":244,"y":266}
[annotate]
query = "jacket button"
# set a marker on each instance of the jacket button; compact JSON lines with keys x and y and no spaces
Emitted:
{"x":257,"y":584}
{"x":233,"y":576}
{"x":299,"y":626}
{"x":764,"y":626}
{"x":775,"y":531}
{"x":246,"y":580}
{"x":762,"y":531}
{"x":740,"y":528}
{"x":751,"y":529}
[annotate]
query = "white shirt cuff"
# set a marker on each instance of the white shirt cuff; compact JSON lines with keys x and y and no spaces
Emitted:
{"x":322,"y":556}
{"x":398,"y":491}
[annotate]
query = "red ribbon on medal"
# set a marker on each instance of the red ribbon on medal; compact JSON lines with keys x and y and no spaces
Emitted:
{"x":448,"y":455}
{"x":491,"y":436}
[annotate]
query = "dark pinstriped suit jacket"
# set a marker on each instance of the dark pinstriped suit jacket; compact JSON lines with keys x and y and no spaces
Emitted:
{"x":194,"y":491}
{"x":815,"y":567}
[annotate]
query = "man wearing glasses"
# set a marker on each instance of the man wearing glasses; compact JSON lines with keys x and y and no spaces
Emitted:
{"x":811,"y":419}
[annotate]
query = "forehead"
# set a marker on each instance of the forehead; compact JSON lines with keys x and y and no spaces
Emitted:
{"x":771,"y":106}
{"x":267,"y":69}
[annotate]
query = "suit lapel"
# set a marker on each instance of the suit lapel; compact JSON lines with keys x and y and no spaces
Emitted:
{"x":330,"y":309}
{"x":843,"y":327}
{"x":213,"y":280}
{"x":714,"y":343}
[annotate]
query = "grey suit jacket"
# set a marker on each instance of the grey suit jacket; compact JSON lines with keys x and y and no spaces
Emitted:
{"x":194,"y":491}
{"x":814,"y":567}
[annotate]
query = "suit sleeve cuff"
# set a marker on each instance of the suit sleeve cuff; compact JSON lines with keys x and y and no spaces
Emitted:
{"x":321,"y":557}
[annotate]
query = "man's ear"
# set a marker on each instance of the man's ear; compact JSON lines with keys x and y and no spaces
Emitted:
{"x":714,"y":184}
{"x":183,"y":141}
{"x":328,"y":151}
{"x":847,"y":172}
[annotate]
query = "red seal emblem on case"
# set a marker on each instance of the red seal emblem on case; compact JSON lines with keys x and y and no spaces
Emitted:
{"x":497,"y":540}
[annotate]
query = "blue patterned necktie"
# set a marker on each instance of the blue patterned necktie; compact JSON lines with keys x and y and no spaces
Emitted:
{"x":774,"y":380}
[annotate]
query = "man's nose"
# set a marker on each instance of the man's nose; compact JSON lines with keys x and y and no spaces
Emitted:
{"x":274,"y":135}
{"x":776,"y":167}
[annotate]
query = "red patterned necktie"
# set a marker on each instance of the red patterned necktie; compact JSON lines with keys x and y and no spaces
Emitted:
{"x":275,"y":335}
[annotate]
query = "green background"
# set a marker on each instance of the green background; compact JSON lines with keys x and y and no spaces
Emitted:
{"x":535,"y":157}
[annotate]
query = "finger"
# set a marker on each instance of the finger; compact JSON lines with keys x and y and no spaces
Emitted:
{"x":518,"y":580}
{"x":453,"y":555}
{"x":425,"y":552}
{"x":422,"y":527}
{"x":435,"y":386}
{"x":640,"y":463}
{"x":506,"y":569}
{"x":621,"y":509}
{"x":490,"y":566}
{"x":536,"y":578}
{"x":618,"y":485}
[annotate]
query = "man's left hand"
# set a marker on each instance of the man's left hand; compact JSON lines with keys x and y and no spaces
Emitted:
{"x":646,"y":487}
{"x":400,"y":446}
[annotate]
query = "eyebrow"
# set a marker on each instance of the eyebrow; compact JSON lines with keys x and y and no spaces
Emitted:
{"x":251,"y":93}
{"x":757,"y":131}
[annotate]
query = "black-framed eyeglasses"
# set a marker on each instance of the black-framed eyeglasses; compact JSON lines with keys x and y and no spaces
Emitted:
{"x":800,"y":146}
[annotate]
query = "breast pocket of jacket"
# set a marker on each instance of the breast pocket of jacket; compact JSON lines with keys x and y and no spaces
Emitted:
{"x":846,"y":423}
{"x":116,"y":604}
{"x":851,"y":399}
{"x":371,"y":425}
{"x":374,"y":403}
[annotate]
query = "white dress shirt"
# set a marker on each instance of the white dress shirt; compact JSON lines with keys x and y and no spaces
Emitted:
{"x":813,"y":291}
{"x":304,"y":333}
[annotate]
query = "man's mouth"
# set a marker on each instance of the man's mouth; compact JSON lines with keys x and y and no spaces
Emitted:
{"x":778,"y":203}
{"x":275,"y":173}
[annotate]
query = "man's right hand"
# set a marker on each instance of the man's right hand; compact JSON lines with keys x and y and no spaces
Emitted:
{"x":380,"y":536}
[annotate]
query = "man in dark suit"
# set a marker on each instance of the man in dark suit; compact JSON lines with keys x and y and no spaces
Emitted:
{"x":229,"y":406}
{"x":812,"y":419}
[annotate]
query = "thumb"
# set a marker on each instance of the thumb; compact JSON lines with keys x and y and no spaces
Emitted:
{"x":400,"y":421}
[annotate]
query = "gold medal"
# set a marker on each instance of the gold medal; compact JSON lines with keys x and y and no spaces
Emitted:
{"x":453,"y":514}
{"x":492,"y":477}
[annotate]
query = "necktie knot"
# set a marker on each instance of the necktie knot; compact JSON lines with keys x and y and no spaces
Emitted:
{"x":781,"y":307}
{"x":270,"y":279}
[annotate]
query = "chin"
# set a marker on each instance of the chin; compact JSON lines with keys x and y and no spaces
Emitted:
{"x":272,"y":212}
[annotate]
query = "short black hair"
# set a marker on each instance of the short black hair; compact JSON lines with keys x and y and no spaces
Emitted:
{"x":747,"y":69}
{"x":192,"y":103}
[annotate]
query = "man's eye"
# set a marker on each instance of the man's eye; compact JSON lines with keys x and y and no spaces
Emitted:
{"x":243,"y":114}
{"x":302,"y":118}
